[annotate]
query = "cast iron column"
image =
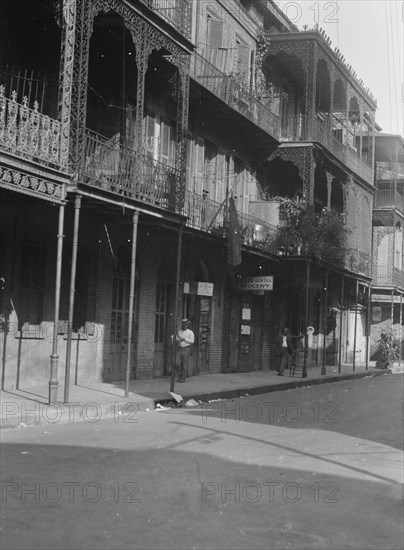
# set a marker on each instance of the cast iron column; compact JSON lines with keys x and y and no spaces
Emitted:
{"x":54,"y":358}
{"x":177,"y":292}
{"x":131,"y":300}
{"x":77,"y":206}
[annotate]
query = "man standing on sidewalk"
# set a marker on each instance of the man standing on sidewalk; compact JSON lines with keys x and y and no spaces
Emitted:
{"x":185,"y":339}
{"x":285,"y":350}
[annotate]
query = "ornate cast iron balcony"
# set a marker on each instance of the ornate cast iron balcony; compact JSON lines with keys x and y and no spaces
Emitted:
{"x":176,"y":12}
{"x":388,"y":198}
{"x":211,"y":216}
{"x":26,"y":133}
{"x":384,"y":275}
{"x":296,"y":128}
{"x":389,"y":171}
{"x":111,"y":166}
{"x":234,"y":94}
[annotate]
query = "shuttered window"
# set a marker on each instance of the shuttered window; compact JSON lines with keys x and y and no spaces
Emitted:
{"x":243,"y":57}
{"x":215,"y":33}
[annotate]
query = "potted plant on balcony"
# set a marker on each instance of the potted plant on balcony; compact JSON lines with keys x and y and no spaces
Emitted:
{"x":387,"y":349}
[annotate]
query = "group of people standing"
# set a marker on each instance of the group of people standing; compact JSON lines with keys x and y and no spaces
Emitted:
{"x":185,"y":339}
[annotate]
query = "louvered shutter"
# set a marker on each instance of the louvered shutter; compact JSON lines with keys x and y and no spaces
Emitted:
{"x":215,"y":33}
{"x":199,"y":168}
{"x":243,"y":57}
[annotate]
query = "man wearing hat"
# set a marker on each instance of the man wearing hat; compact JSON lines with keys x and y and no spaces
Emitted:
{"x":185,"y":338}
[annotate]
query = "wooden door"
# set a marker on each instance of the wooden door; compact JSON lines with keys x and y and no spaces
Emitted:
{"x":119,"y":327}
{"x":202,"y":336}
{"x":160,"y":329}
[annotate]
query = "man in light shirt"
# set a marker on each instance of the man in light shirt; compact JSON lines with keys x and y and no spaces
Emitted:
{"x":185,"y":339}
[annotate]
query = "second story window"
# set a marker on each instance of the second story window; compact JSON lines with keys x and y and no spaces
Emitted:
{"x":242,"y":61}
{"x":214,"y":37}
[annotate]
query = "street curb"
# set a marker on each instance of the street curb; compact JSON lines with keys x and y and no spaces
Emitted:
{"x":126,"y":411}
{"x":257,"y":390}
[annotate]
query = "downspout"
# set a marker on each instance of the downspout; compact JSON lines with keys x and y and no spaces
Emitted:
{"x":368,"y":325}
{"x":340,"y":324}
{"x":356,"y":324}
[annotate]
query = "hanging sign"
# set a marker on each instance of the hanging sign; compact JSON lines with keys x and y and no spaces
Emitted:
{"x":265,"y":282}
{"x":199,"y":288}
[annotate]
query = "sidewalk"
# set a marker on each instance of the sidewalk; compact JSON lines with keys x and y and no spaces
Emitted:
{"x":92,"y":402}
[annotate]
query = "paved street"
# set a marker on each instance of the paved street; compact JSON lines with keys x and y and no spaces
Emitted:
{"x":310,"y":468}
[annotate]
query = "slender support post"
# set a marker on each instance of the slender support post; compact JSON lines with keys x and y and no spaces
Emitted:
{"x":356,"y":323}
{"x":340,"y":324}
{"x":131,"y":300}
{"x":401,"y":329}
{"x":177,"y":292}
{"x":54,"y":358}
{"x":323,"y":366}
{"x":368,"y":326}
{"x":77,"y":206}
{"x":392,"y":311}
{"x":306,"y":337}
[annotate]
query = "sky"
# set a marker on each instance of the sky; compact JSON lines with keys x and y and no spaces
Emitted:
{"x":370,"y":35}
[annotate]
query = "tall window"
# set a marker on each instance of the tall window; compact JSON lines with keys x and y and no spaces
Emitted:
{"x":215,"y":33}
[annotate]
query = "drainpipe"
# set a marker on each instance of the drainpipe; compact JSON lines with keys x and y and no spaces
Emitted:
{"x":368,"y":326}
{"x":340,"y":324}
{"x":401,"y":328}
{"x":77,"y":206}
{"x":323,"y":366}
{"x":131,"y":300}
{"x":54,"y":358}
{"x":356,"y":324}
{"x":306,"y":337}
{"x":177,"y":293}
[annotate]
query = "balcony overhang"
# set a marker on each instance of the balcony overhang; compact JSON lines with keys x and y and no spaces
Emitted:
{"x":161,"y":24}
{"x":27,"y":177}
{"x":334,"y":56}
{"x":239,"y":127}
{"x":114,"y":205}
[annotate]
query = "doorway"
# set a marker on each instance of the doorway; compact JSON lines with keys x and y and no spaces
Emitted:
{"x":119,"y":326}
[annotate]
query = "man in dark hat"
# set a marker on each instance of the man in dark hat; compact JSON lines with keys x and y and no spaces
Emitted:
{"x":185,"y":339}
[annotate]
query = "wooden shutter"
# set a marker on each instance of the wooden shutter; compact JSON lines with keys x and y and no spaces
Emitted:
{"x":199,"y":165}
{"x":188,"y":162}
{"x":215,"y":33}
{"x":165,"y":141}
{"x":243,"y":57}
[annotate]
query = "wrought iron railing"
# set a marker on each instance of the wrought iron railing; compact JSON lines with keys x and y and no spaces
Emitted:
{"x":389,"y":171}
{"x":298,"y":128}
{"x":211,"y":216}
{"x":27,"y":133}
{"x":233,"y":93}
{"x":353,"y":260}
{"x":177,"y":12}
{"x":389,"y":198}
{"x":388,"y":276}
{"x":114,"y":167}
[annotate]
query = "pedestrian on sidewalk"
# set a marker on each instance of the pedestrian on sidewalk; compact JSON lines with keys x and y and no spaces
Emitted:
{"x":285,"y":342}
{"x":185,"y":339}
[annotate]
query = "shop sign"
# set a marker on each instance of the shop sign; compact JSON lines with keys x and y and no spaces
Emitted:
{"x":199,"y":288}
{"x":257,"y":283}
